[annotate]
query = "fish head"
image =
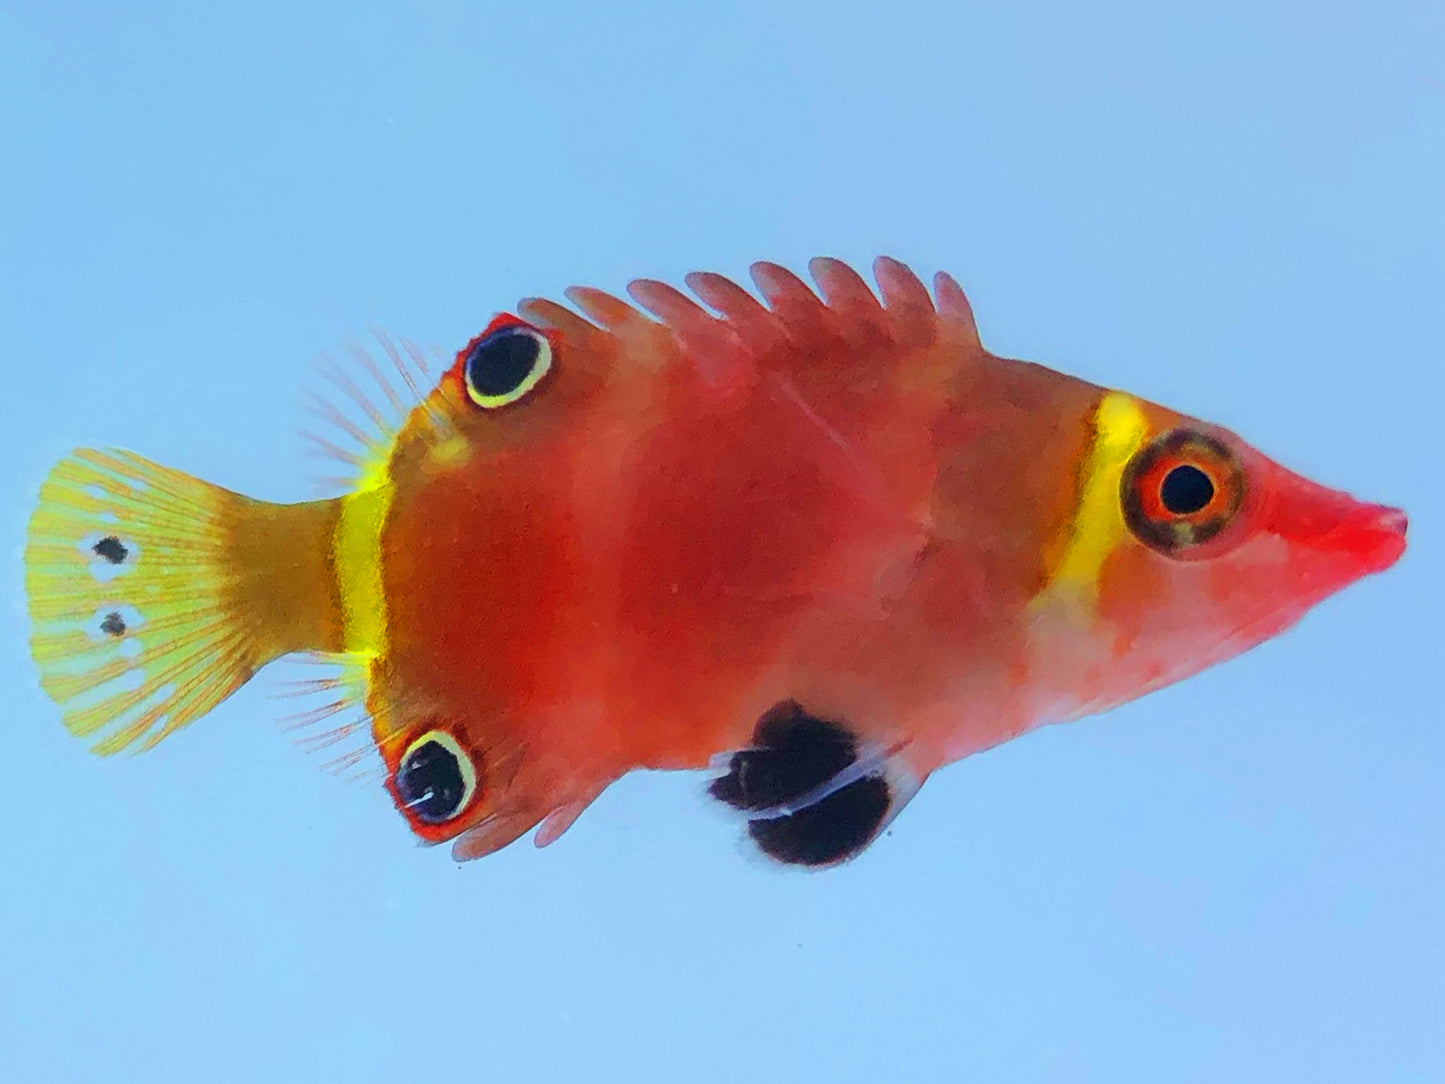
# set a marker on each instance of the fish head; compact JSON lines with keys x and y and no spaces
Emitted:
{"x":1185,"y":547}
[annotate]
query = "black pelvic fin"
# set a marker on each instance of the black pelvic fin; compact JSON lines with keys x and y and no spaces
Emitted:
{"x":792,"y":754}
{"x":817,"y":804}
{"x":831,"y":830}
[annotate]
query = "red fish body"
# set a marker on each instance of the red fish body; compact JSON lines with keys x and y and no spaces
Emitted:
{"x":827,"y":544}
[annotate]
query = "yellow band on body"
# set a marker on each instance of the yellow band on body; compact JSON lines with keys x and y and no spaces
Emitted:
{"x":356,"y":548}
{"x":1097,"y":526}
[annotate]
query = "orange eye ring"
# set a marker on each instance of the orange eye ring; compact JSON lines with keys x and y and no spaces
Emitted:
{"x":1181,"y":490}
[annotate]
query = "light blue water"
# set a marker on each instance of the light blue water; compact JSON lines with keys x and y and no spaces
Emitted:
{"x":1235,"y":209}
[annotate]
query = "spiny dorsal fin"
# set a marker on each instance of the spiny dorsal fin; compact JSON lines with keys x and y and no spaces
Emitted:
{"x":795,"y":330}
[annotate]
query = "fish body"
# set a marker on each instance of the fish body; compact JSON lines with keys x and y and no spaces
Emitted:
{"x":824,"y":543}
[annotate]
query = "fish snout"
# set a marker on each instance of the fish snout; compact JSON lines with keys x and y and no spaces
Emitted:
{"x":1378,"y":535}
{"x":1368,"y":537}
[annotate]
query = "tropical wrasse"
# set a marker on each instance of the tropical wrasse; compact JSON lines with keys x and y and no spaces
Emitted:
{"x":824,"y":543}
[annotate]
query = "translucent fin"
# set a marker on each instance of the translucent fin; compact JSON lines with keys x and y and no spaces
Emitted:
{"x":329,"y":717}
{"x":359,"y":404}
{"x":153,"y":595}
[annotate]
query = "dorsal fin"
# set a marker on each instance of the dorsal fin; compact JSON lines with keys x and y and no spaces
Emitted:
{"x":365,"y":403}
{"x":792,"y":330}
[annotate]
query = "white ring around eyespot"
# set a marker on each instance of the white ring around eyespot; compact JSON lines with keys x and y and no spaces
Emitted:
{"x":464,"y":762}
{"x":540,"y":368}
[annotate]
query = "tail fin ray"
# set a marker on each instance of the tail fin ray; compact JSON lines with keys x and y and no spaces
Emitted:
{"x":141,"y":596}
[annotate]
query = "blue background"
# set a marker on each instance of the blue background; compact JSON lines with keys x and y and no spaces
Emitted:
{"x":1234,"y":208}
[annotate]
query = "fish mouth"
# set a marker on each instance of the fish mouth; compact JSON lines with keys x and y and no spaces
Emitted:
{"x":1355,"y":537}
{"x":1364,"y":537}
{"x":1375,"y":536}
{"x":1368,"y":537}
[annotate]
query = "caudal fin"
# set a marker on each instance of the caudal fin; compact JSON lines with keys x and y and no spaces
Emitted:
{"x":153,"y":595}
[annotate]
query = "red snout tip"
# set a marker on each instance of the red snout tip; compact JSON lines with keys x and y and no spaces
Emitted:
{"x":1378,"y":536}
{"x":1392,"y":520}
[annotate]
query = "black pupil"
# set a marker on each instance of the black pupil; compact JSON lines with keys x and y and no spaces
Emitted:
{"x":430,"y":783}
{"x":499,"y":363}
{"x":1186,"y":490}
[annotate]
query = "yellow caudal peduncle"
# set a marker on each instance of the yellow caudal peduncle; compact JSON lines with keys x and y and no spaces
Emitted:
{"x":1097,"y":525}
{"x":356,"y":549}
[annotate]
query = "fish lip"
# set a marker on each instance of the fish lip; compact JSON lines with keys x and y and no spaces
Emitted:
{"x":1391,"y":520}
{"x":1374,"y":534}
{"x":1365,"y":536}
{"x":1384,"y":535}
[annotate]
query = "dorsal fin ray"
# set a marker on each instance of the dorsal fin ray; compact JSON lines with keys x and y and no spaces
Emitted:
{"x":791,"y":330}
{"x":854,"y":305}
{"x":810,"y":324}
{"x":910,"y":309}
{"x":364,"y":404}
{"x":718,"y":350}
{"x":956,"y":311}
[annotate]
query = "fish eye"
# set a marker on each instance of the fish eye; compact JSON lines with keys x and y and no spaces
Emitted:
{"x":1181,"y":490}
{"x":436,"y":779}
{"x":504,"y":366}
{"x":1186,"y":490}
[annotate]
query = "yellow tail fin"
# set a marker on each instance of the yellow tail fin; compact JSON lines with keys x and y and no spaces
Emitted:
{"x":154,"y":596}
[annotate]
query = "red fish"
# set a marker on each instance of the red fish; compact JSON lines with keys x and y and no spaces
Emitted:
{"x":824,"y":543}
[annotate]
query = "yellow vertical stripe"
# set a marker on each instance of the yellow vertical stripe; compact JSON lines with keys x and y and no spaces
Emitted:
{"x":1097,"y":525}
{"x":356,"y":548}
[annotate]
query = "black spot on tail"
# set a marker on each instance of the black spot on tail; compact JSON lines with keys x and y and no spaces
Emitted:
{"x":793,"y":754}
{"x":113,"y":624}
{"x":112,"y":549}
